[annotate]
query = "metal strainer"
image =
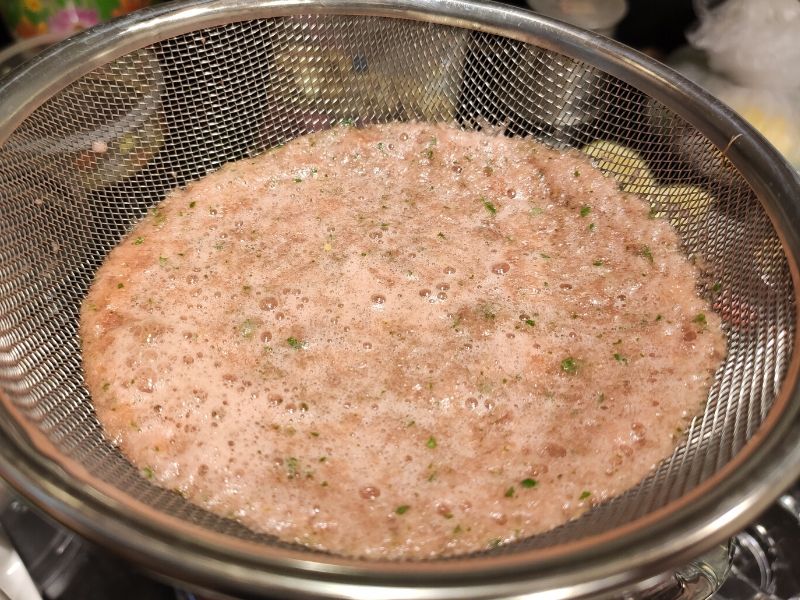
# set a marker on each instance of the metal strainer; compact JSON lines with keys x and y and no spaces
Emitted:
{"x":105,"y":124}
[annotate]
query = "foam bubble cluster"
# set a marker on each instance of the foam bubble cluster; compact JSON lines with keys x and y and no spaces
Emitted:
{"x":438,"y":339}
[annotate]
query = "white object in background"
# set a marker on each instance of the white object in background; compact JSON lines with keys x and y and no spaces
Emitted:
{"x":601,"y":16}
{"x":749,"y":61}
{"x":15,"y":583}
{"x":754,"y":44}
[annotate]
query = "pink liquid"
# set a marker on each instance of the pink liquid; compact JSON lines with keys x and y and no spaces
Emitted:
{"x":399,"y":341}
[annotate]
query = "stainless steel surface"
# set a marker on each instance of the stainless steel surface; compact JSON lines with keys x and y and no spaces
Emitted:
{"x":766,"y":558}
{"x":16,"y":582}
{"x":228,"y":79}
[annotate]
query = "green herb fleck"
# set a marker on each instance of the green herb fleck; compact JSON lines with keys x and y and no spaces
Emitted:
{"x":120,"y":286}
{"x":569,"y":365}
{"x":440,"y":235}
{"x":584,"y":495}
{"x":295,"y":343}
{"x":347,"y":122}
{"x":530,"y":322}
{"x":162,"y":261}
{"x":700,"y":319}
{"x":601,"y":398}
{"x":489,"y":206}
{"x":138,"y":241}
{"x":147,"y":472}
{"x":158,"y":216}
{"x":591,"y":226}
{"x":457,"y":529}
{"x":106,"y":385}
{"x":619,"y":358}
{"x":431,"y":443}
{"x":528,"y":483}
{"x":577,"y":173}
{"x":298,"y":179}
{"x":598,"y":263}
{"x":659,"y":317}
{"x":402,"y":509}
{"x":314,"y":433}
{"x":291,"y":466}
{"x":247,"y":328}
{"x":716,"y":288}
{"x":510,"y":492}
{"x":646,"y":253}
{"x":192,"y":204}
{"x":585,"y":210}
{"x":544,"y":255}
{"x":494,"y":542}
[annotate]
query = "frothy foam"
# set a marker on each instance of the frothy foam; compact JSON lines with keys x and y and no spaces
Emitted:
{"x":399,"y":341}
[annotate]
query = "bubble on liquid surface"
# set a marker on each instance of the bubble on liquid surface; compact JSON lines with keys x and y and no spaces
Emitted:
{"x":501,"y":268}
{"x":270,"y":303}
{"x":369,"y":492}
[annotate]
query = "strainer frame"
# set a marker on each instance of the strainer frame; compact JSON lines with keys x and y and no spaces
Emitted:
{"x":666,"y":538}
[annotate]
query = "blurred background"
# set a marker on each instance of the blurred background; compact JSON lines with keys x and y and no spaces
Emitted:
{"x":656,"y":26}
{"x":744,"y":51}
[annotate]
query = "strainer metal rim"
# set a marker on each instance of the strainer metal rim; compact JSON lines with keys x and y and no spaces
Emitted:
{"x":678,"y":532}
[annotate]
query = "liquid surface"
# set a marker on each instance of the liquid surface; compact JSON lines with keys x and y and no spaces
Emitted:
{"x":399,"y":341}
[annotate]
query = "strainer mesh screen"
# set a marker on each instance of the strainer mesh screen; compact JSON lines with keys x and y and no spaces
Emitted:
{"x":89,"y":162}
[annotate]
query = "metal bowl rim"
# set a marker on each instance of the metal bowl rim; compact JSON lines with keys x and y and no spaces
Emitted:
{"x":714,"y":510}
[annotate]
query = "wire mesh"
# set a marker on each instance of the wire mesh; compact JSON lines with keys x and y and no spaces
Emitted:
{"x":87,"y":164}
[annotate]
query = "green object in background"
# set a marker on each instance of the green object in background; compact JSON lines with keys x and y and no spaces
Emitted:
{"x":29,"y":18}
